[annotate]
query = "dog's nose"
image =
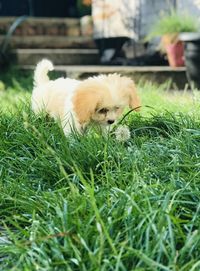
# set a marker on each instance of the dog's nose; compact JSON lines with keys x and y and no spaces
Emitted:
{"x":110,"y":121}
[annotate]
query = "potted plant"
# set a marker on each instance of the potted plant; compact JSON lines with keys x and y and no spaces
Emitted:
{"x":168,"y":28}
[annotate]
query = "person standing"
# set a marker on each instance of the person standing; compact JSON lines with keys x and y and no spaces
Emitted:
{"x":115,"y":22}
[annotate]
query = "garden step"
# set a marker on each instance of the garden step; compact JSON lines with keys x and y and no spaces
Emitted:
{"x":155,"y":74}
{"x":49,"y":41}
{"x":42,"y":26}
{"x":57,"y":56}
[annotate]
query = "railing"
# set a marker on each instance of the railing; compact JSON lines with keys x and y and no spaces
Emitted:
{"x":11,"y":30}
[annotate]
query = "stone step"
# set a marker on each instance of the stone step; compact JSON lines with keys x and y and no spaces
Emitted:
{"x":57,"y":56}
{"x":154,"y":74}
{"x":42,"y":26}
{"x":49,"y":41}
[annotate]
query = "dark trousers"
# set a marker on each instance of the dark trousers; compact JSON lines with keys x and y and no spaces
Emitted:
{"x":111,"y":43}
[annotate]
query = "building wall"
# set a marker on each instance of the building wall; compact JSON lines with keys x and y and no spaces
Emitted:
{"x":151,"y":10}
{"x":190,"y":6}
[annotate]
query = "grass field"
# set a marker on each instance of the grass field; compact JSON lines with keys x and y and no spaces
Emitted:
{"x":92,"y":203}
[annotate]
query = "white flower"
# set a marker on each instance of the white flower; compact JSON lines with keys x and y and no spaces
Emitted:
{"x":99,"y":228}
{"x":122,"y":133}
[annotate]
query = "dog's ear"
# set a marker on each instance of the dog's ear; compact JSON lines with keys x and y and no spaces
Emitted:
{"x":134,"y":101}
{"x":85,"y":101}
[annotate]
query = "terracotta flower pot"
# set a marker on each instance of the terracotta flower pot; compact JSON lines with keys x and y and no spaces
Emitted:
{"x":175,"y":53}
{"x":174,"y":49}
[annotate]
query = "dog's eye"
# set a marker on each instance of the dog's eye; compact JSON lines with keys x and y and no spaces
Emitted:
{"x":103,"y":111}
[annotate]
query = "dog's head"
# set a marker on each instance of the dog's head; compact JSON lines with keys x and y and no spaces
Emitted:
{"x":103,"y":99}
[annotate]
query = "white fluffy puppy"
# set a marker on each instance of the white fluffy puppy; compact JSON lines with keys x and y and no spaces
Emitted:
{"x":101,"y":99}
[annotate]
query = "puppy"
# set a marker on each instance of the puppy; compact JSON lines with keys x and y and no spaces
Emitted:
{"x":100,"y":99}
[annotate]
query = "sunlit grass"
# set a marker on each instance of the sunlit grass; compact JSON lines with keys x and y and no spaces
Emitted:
{"x":92,"y":203}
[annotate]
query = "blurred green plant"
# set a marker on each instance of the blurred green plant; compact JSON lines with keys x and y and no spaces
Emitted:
{"x":173,"y":23}
{"x":83,"y":9}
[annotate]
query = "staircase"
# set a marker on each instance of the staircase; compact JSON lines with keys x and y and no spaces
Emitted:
{"x":72,"y":52}
{"x":57,"y":56}
{"x":57,"y":39}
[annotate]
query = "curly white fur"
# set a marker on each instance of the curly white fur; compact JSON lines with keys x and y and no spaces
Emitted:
{"x":100,"y":99}
{"x":40,"y":76}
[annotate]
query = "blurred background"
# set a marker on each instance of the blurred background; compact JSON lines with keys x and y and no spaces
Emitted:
{"x":86,"y":32}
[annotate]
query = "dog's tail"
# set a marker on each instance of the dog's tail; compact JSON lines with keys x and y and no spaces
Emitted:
{"x":41,"y":72}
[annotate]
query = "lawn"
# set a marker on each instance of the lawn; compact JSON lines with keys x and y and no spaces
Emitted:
{"x":92,"y":203}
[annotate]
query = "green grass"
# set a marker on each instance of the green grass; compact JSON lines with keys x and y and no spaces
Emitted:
{"x":91,"y":203}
